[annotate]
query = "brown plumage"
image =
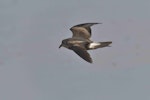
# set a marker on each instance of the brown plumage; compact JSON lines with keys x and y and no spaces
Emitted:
{"x":80,"y":41}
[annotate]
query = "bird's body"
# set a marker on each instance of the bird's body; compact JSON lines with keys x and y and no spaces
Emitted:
{"x":80,"y":41}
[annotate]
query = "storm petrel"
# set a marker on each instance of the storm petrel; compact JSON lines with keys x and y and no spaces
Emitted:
{"x":80,"y":41}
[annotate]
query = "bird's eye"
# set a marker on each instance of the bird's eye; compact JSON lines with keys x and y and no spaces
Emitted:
{"x":64,"y":42}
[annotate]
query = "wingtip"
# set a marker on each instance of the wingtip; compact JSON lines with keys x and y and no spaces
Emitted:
{"x":97,"y":23}
{"x":89,"y":24}
{"x":94,"y":23}
{"x":90,"y":61}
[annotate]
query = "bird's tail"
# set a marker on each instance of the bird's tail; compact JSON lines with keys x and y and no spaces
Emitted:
{"x":96,"y":45}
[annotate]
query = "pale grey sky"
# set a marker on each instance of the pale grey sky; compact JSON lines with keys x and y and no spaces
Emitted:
{"x":33,"y":68}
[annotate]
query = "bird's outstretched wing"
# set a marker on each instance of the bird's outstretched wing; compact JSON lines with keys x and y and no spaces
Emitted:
{"x":82,"y":30}
{"x":82,"y":53}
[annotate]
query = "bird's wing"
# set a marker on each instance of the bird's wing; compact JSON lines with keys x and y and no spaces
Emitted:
{"x":82,"y":30}
{"x":82,"y":53}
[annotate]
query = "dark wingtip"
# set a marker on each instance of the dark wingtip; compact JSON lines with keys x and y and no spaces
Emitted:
{"x":89,"y":61}
{"x":96,"y":23}
{"x":85,"y":25}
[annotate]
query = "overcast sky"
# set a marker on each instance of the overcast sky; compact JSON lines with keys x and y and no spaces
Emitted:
{"x":32,"y":67}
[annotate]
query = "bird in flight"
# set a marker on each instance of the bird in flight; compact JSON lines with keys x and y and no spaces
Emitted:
{"x":80,"y":41}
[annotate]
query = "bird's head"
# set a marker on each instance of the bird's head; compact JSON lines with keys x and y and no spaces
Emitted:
{"x":64,"y":44}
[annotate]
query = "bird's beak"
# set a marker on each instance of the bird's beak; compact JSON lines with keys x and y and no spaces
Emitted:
{"x":60,"y":46}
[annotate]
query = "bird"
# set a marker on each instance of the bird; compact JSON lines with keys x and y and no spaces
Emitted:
{"x":80,"y":41}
